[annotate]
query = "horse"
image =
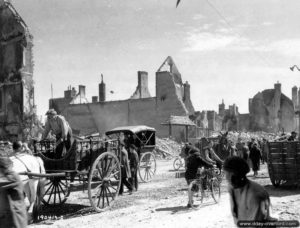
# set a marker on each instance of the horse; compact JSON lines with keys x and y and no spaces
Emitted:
{"x":33,"y":186}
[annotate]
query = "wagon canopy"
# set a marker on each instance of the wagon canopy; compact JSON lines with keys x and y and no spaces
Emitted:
{"x":130,"y":129}
{"x":140,"y":135}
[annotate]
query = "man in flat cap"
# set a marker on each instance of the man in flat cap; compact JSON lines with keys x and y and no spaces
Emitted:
{"x":58,"y":126}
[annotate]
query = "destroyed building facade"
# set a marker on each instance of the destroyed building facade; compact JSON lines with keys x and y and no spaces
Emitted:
{"x":269,"y":111}
{"x":16,"y":74}
{"x":172,"y":98}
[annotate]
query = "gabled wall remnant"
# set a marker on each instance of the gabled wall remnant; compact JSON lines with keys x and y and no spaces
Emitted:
{"x":16,"y":72}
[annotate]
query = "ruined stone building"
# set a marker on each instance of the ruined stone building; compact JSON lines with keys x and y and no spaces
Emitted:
{"x":225,"y":119}
{"x":16,"y":72}
{"x":229,"y":117}
{"x":172,"y":98}
{"x":269,"y":111}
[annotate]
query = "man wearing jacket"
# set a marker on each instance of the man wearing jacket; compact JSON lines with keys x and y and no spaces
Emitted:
{"x":58,"y":126}
{"x":13,"y":213}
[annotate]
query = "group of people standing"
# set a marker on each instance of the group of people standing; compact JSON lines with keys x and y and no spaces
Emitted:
{"x":255,"y":151}
{"x":129,"y":164}
{"x":252,"y":153}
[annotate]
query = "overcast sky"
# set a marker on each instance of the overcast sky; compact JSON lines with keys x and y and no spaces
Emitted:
{"x":226,"y":49}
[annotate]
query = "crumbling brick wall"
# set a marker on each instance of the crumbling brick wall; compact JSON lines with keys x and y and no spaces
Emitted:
{"x":16,"y":69}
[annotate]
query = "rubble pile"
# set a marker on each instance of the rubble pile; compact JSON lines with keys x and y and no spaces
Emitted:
{"x":166,"y":147}
{"x":246,"y":136}
{"x":5,"y":148}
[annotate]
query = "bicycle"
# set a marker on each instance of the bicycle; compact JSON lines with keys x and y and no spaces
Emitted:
{"x":208,"y":180}
{"x":178,"y":163}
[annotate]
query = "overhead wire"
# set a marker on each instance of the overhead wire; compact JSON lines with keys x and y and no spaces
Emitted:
{"x":237,"y":33}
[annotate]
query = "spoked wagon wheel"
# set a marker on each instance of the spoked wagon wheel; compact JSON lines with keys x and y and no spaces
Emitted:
{"x":215,"y":189}
{"x":147,"y":167}
{"x":177,"y":164}
{"x":104,"y":181}
{"x":57,"y":190}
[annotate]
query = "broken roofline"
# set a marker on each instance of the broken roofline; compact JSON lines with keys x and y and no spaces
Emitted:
{"x":101,"y":102}
{"x":169,"y":61}
{"x":17,"y":15}
{"x":179,"y":120}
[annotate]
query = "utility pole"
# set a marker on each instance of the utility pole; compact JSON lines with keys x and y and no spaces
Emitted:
{"x":297,"y":111}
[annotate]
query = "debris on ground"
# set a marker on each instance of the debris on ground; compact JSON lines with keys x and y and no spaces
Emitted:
{"x":167,"y":148}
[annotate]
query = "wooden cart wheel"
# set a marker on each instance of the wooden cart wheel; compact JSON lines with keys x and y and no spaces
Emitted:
{"x":104,"y":181}
{"x":276,"y":183}
{"x":57,"y":190}
{"x":147,"y":167}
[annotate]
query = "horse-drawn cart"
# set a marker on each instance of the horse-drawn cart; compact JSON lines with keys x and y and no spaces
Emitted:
{"x":143,"y":137}
{"x":95,"y":162}
{"x":284,"y":163}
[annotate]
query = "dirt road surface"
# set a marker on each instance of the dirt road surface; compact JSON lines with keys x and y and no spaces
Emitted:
{"x":162,"y":203}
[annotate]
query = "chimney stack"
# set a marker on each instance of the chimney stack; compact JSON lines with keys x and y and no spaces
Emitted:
{"x":81,"y":91}
{"x":102,"y":91}
{"x":143,"y":84}
{"x":295,"y":96}
{"x":68,"y":93}
{"x":186,"y":91}
{"x":94,"y":99}
{"x":277,"y":87}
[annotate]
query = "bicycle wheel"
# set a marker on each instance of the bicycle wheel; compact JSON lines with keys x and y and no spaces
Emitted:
{"x":196,"y":190}
{"x":177,"y":164}
{"x":220,"y":176}
{"x":215,"y":189}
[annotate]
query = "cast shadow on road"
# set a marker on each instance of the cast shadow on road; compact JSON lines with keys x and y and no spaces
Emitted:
{"x":175,"y":210}
{"x":183,"y":209}
{"x":281,"y":191}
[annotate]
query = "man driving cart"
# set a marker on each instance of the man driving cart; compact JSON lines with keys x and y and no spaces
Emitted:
{"x":58,"y":126}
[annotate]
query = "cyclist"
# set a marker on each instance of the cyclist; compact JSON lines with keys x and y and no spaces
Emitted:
{"x":194,"y":161}
{"x":210,"y":155}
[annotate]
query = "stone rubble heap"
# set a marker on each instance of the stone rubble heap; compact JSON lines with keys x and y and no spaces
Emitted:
{"x":258,"y":136}
{"x":166,"y":147}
